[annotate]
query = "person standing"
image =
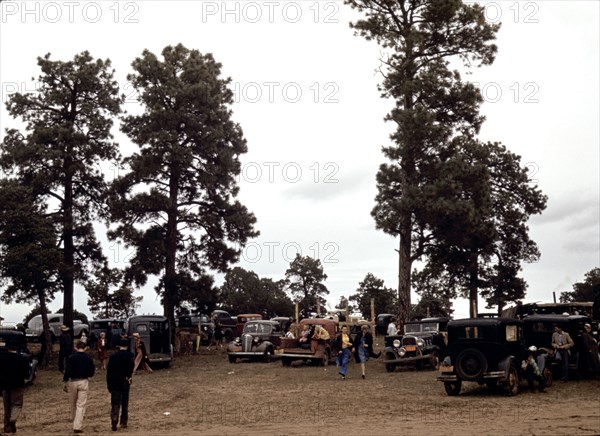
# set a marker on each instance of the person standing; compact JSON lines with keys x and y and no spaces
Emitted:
{"x":141,"y":355}
{"x":79,"y":369}
{"x":118,"y":380}
{"x":589,"y":360}
{"x":344,"y":346}
{"x":391,"y":330}
{"x":363,"y":348}
{"x":66,"y":347}
{"x":102,"y":348}
{"x":562,"y":342}
{"x":14,"y":369}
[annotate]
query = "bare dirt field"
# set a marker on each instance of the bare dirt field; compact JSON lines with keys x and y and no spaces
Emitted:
{"x":204,"y":394}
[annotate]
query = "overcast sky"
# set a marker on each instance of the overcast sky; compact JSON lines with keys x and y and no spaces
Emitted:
{"x":307,"y":101}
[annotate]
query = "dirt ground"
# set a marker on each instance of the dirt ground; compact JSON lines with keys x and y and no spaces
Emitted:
{"x":204,"y":394}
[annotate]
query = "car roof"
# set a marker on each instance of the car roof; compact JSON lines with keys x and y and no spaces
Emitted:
{"x":555,"y":317}
{"x":263,"y":321}
{"x":317,"y":321}
{"x":467,"y":322}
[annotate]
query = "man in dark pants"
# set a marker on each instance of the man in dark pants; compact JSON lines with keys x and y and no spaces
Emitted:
{"x":118,"y":380}
{"x":66,"y":347}
{"x":14,"y":369}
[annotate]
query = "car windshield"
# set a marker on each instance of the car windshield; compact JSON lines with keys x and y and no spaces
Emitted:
{"x":255,"y":327}
{"x":412,"y":328}
{"x":429,"y":327}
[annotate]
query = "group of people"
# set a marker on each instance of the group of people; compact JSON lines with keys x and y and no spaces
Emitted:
{"x":361,"y":347}
{"x":77,"y":368}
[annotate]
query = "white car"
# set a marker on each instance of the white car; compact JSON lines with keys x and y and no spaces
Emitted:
{"x":35,"y":330}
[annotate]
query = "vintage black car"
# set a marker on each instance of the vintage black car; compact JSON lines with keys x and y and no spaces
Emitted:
{"x":156,"y":333}
{"x":197,"y":323}
{"x":8,"y":335}
{"x":259,"y":339}
{"x":483,"y":350}
{"x":411,"y":349}
{"x":226,"y":321}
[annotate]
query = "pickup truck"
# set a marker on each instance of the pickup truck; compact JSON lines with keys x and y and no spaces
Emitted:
{"x":321,"y":353}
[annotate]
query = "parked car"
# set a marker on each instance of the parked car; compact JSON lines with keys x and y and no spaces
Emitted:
{"x":35,"y":330}
{"x":227,"y":322}
{"x":259,"y":339}
{"x":113,"y":327}
{"x":8,"y":335}
{"x":411,"y":349}
{"x":284,"y":321}
{"x":322,"y":354}
{"x":483,"y":350}
{"x":242,"y":319}
{"x":156,"y":334}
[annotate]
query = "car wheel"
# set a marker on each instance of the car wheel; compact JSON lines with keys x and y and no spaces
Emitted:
{"x":268,"y":355}
{"x":453,"y":388}
{"x":286,"y":362}
{"x":434,"y":360}
{"x":232,"y":359}
{"x":471,"y":364}
{"x":512,"y":381}
{"x":390,"y":367}
{"x":325,"y":358}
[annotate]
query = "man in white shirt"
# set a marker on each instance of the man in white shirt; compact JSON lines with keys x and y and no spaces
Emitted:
{"x":391,"y":330}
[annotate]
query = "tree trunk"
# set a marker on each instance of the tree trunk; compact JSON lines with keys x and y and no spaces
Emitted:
{"x":170,"y":294}
{"x":404,"y":274}
{"x":46,"y":352}
{"x":67,"y":275}
{"x":473,"y":285}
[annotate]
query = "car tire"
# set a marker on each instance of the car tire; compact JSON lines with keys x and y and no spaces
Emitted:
{"x":231,"y":358}
{"x":390,"y":367}
{"x":267,"y":357}
{"x":453,"y":388}
{"x":325,"y":359}
{"x":512,"y":381}
{"x":471,"y":364}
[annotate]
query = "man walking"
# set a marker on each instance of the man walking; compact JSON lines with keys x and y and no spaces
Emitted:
{"x":80,"y":367}
{"x":118,"y":379}
{"x":14,"y":369}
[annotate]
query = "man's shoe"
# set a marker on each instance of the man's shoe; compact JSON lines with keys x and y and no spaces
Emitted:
{"x":13,"y":426}
{"x":114,"y":426}
{"x":77,"y":431}
{"x":123,"y":425}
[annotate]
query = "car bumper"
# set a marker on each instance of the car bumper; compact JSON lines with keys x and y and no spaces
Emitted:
{"x":246,"y":354}
{"x":450,"y":377}
{"x":405,"y":360}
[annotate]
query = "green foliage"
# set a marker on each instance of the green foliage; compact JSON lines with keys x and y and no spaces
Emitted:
{"x":373,"y":288}
{"x":588,"y":290}
{"x":67,"y":136}
{"x":304,"y":277}
{"x":120,"y":303}
{"x":177,"y":204}
{"x":244,"y":292}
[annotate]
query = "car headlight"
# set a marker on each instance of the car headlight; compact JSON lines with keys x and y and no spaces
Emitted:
{"x":237,"y":341}
{"x":396,"y":343}
{"x":401,"y":352}
{"x":256,"y":339}
{"x":205,"y":328}
{"x":420,"y":342}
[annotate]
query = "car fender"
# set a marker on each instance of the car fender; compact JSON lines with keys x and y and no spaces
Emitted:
{"x":505,"y":364}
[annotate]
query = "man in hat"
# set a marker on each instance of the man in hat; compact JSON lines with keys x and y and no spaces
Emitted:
{"x":80,"y":367}
{"x":562,"y":342}
{"x":66,"y":347}
{"x":118,"y":379}
{"x":14,"y":369}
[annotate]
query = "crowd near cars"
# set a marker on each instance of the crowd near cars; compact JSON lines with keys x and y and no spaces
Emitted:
{"x":488,"y":350}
